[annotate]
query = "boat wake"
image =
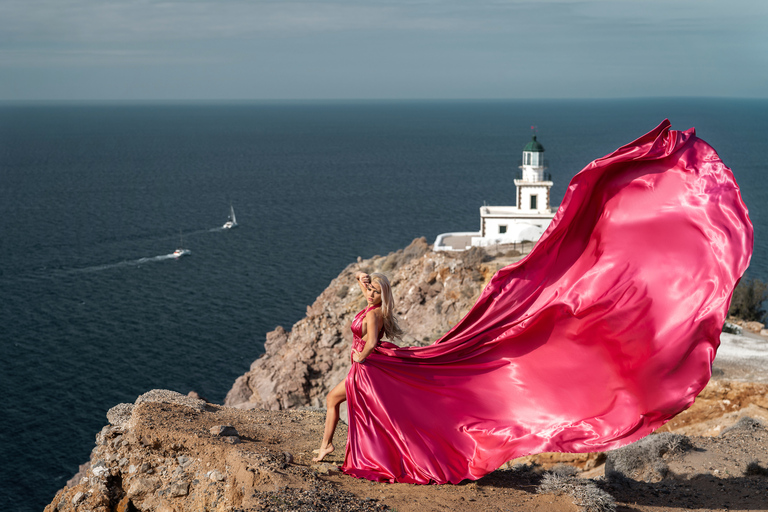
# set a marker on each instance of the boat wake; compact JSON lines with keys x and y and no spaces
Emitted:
{"x":130,"y":263}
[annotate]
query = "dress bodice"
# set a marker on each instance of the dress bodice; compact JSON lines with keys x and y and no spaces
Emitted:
{"x":358,"y":343}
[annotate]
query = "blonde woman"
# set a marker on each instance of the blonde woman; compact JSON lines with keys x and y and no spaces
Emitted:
{"x":377,"y":320}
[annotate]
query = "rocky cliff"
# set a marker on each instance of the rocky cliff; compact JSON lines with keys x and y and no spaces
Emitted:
{"x":432,"y":290}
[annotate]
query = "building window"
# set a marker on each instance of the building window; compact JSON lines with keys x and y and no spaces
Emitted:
{"x":502,"y":229}
{"x":527,"y":159}
{"x":533,"y":202}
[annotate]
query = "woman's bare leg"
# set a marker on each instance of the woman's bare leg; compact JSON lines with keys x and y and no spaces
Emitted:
{"x":337,"y":395}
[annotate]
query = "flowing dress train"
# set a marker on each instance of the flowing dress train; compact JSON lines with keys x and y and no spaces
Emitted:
{"x":604,"y":332}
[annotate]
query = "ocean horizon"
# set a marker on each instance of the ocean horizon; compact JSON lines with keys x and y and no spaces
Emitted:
{"x":95,"y":196}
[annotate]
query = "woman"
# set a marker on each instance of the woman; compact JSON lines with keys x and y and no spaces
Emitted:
{"x":368,"y":327}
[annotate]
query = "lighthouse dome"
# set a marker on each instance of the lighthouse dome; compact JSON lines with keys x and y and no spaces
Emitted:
{"x":534,"y":146}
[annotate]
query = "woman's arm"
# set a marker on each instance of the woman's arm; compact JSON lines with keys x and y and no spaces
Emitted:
{"x":373,"y":323}
{"x":363,"y":280}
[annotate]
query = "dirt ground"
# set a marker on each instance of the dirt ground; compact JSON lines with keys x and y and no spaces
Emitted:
{"x":709,"y":477}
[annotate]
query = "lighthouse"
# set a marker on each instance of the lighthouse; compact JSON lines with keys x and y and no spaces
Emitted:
{"x":533,"y":186}
{"x":526,"y":221}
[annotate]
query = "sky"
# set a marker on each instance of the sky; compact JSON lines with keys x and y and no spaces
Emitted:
{"x":381,"y":49}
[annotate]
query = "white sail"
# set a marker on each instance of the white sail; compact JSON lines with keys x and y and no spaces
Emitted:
{"x":232,"y":222}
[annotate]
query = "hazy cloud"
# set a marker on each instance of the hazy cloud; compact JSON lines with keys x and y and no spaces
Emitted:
{"x":366,"y":48}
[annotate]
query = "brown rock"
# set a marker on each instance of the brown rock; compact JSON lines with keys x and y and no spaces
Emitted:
{"x":275,"y":340}
{"x":196,"y":396}
{"x":125,"y":505}
{"x":141,"y":486}
{"x":82,"y":472}
{"x":180,"y":488}
{"x":223,"y":430}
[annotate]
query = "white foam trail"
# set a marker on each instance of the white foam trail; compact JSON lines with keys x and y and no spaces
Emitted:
{"x":127,"y":263}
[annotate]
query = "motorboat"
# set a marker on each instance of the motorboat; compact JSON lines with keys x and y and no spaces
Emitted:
{"x":178,"y":253}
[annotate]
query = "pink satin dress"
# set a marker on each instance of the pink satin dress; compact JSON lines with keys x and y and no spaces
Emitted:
{"x":358,"y":343}
{"x":604,"y":332}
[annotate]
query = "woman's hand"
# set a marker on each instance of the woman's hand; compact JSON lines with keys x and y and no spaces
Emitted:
{"x":363,"y":278}
{"x":356,"y":356}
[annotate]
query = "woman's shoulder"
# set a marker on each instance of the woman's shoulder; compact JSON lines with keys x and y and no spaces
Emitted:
{"x":376,"y":312}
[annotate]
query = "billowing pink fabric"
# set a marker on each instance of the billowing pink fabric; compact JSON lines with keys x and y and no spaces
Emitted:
{"x":602,"y":334}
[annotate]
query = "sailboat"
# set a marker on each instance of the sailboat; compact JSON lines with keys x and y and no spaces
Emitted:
{"x":178,"y":253}
{"x":232,"y":222}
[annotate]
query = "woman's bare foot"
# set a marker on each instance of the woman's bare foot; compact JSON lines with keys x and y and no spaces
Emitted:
{"x":322,"y":452}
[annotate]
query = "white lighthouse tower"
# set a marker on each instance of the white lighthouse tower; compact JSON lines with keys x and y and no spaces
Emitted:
{"x":526,"y":221}
{"x":533,"y":187}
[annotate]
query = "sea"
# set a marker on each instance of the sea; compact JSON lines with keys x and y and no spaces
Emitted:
{"x":95,"y":197}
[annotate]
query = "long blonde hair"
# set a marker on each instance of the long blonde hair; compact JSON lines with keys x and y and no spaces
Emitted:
{"x":390,"y":329}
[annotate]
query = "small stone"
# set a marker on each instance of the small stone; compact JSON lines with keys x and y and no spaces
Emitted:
{"x":131,"y":469}
{"x":216,"y":476}
{"x":145,"y":468}
{"x":288,"y":456}
{"x":142,"y":486}
{"x":224,"y":431}
{"x":79,"y":496}
{"x":123,"y":462}
{"x":324,"y":468}
{"x":231,"y":439}
{"x":125,"y":505}
{"x":99,"y":471}
{"x":183,"y":461}
{"x":196,"y":395}
{"x":180,"y":488}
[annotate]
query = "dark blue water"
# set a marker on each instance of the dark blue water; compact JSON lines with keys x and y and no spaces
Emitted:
{"x":93,"y":198}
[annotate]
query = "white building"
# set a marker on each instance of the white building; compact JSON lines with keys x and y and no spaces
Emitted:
{"x":526,"y":221}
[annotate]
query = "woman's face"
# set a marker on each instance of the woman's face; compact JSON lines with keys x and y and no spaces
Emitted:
{"x":373,"y":293}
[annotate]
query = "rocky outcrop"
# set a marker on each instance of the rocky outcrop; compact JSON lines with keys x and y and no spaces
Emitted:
{"x":168,"y":452}
{"x":432,"y":290}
